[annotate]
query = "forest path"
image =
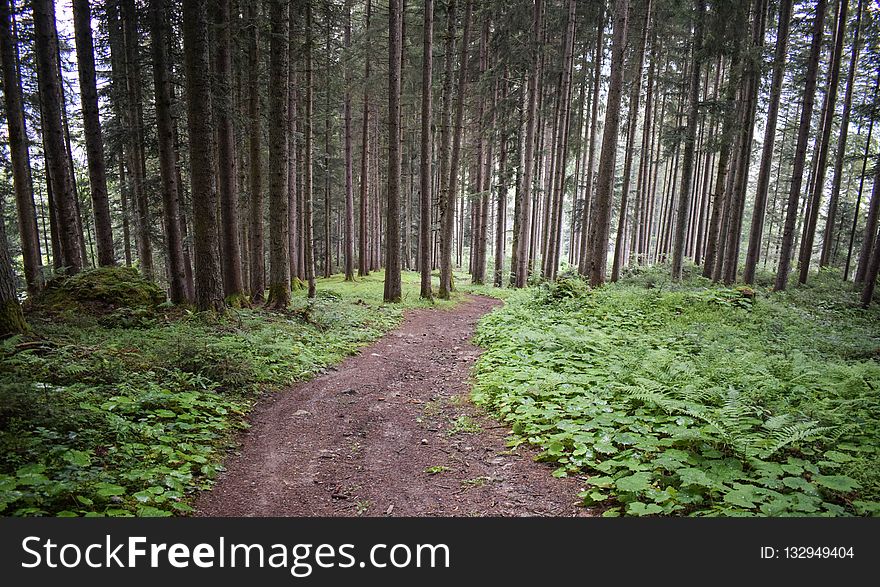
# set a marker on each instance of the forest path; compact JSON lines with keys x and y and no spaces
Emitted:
{"x":389,"y":431}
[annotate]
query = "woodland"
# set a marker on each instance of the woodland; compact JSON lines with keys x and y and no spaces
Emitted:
{"x":674,"y":203}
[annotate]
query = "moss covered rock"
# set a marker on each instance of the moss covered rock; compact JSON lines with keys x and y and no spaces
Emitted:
{"x":100,"y":292}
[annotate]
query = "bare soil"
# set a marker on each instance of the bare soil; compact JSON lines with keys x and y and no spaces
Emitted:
{"x":390,"y":431}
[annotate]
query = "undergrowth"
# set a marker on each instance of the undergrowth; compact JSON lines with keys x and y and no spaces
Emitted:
{"x":130,"y":417}
{"x":691,"y":399}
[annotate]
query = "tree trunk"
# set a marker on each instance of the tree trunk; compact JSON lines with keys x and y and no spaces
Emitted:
{"x":279,"y":244}
{"x":684,"y":199}
{"x":167,"y":156}
{"x":870,"y":227}
{"x":640,"y":211}
{"x":635,"y":94}
{"x":447,"y":196}
{"x":484,"y":161}
{"x":363,"y":237}
{"x":11,"y":317}
{"x":57,"y":160}
{"x":446,"y":136}
{"x":520,"y":271}
{"x":135,"y":127}
{"x":208,"y":285}
{"x":124,"y":199}
{"x":22,"y":178}
{"x":392,"y":236}
{"x":349,"y":192}
{"x":294,"y":194}
{"x":747,"y":126}
{"x":504,"y":172}
{"x":818,"y":184}
{"x":517,"y":212}
{"x":767,"y":151}
{"x":825,"y":257}
{"x":600,"y":227}
{"x":791,"y":214}
{"x":426,"y":155}
{"x":855,"y":222}
{"x":308,"y":225}
{"x":257,"y":246}
{"x":85,"y":59}
{"x":554,"y":240}
{"x":871,"y":277}
{"x":586,"y":212}
{"x":233,"y":283}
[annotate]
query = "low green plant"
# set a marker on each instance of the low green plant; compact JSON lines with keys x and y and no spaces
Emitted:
{"x":436,"y":469}
{"x":130,"y":411}
{"x":690,"y":399}
{"x":463,"y":425}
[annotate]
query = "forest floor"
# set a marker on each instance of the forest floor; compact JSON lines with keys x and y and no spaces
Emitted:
{"x":389,"y":431}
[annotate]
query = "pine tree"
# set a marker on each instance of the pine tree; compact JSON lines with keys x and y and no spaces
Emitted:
{"x":208,"y":285}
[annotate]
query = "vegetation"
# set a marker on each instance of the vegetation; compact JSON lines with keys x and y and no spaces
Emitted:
{"x":173,"y":177}
{"x":693,"y":399}
{"x":129,"y":416}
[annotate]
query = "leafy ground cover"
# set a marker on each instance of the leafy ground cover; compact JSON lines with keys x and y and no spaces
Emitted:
{"x":691,"y":399}
{"x":127,"y":412}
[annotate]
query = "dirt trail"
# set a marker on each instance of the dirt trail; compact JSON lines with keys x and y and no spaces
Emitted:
{"x":389,"y":432}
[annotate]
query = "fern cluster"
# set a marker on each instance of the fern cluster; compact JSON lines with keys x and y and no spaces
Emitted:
{"x":692,"y":399}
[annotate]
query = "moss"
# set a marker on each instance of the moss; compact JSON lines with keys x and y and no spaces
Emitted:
{"x":279,"y":296}
{"x":100,"y":292}
{"x":12,"y":319}
{"x":238,"y":301}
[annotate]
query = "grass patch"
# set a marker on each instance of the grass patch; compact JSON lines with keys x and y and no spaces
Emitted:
{"x":130,"y":417}
{"x":463,"y":425}
{"x":436,"y":469}
{"x":692,"y":399}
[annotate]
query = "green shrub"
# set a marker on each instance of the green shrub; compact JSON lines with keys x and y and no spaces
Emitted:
{"x":691,"y":399}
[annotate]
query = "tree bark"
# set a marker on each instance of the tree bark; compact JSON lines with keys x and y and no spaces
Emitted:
{"x":855,"y":222}
{"x":135,"y":127}
{"x":806,"y":252}
{"x":57,"y":160}
{"x":22,"y":178}
{"x":208,"y":285}
{"x":600,"y":227}
{"x":363,"y":236}
{"x":684,"y":199}
{"x":85,"y":59}
{"x":255,"y":161}
{"x":11,"y":317}
{"x":759,"y":213}
{"x":294,"y":193}
{"x":520,"y":271}
{"x":349,"y":191}
{"x":308,"y":225}
{"x":791,"y":214}
{"x":167,"y":156}
{"x":635,"y":94}
{"x":279,"y":244}
{"x":554,"y":240}
{"x":425,"y":182}
{"x":447,"y":196}
{"x":233,"y":282}
{"x":750,"y":89}
{"x":825,"y":257}
{"x":874,"y":264}
{"x":392,"y":292}
{"x":504,"y":173}
{"x":870,"y":227}
{"x":586,"y":212}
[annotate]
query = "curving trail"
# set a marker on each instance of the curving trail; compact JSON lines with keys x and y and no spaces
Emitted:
{"x":389,"y":432}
